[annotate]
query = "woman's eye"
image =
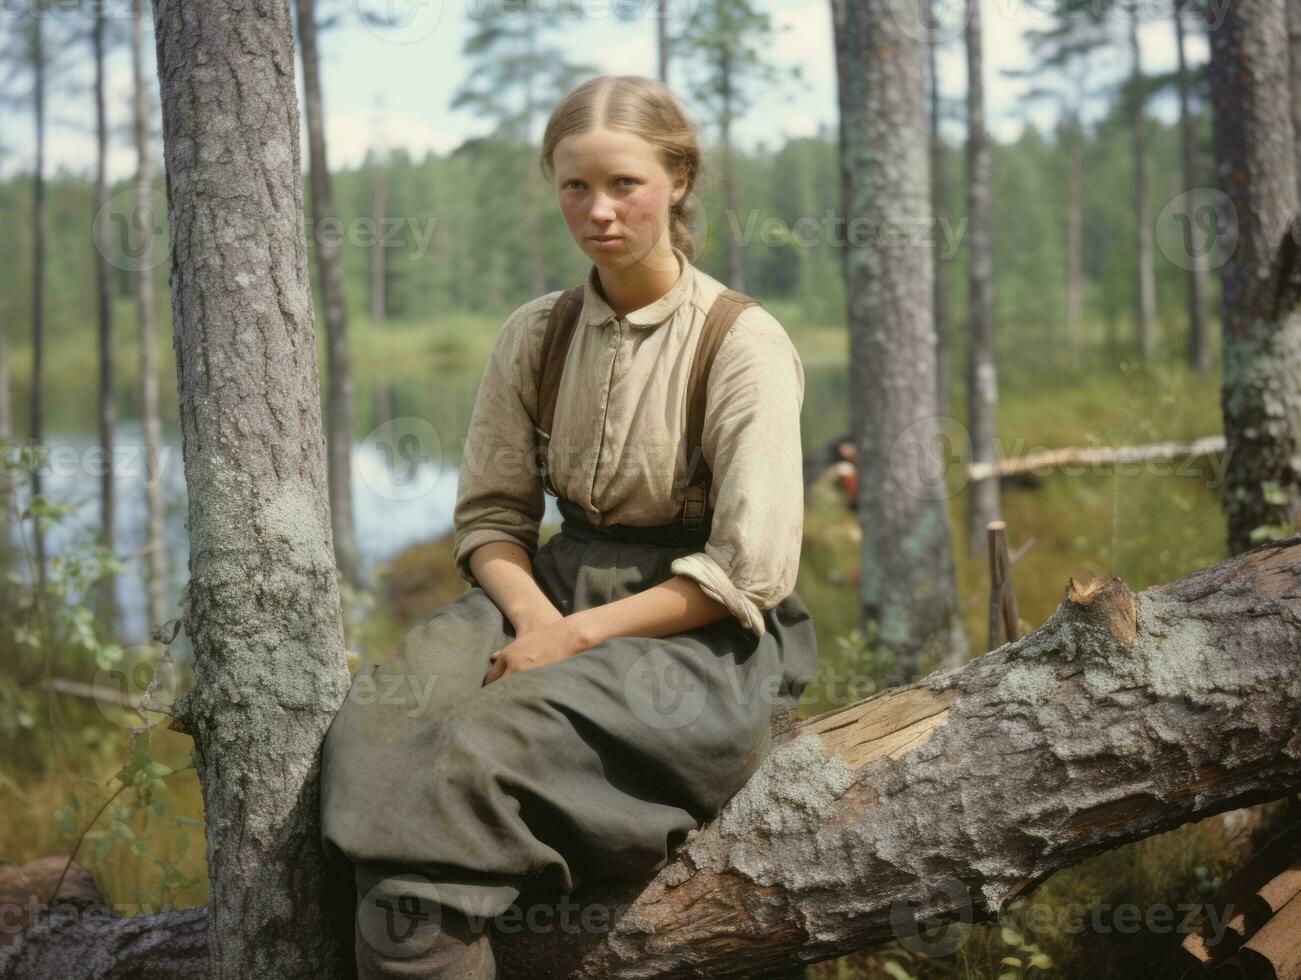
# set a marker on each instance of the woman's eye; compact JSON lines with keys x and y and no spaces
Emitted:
{"x":631,"y":180}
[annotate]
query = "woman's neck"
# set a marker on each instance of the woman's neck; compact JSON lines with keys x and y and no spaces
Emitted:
{"x":641,"y":283}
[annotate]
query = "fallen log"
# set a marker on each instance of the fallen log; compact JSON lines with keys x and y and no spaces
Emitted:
{"x":1093,"y":456}
{"x":1122,"y":716}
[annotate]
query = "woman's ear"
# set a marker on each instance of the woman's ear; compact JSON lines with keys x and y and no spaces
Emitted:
{"x":679,"y":191}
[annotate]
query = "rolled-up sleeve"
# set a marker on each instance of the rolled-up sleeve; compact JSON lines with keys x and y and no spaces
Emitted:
{"x":499,"y":494}
{"x":751,"y":441}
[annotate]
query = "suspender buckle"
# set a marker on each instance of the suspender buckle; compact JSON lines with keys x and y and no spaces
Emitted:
{"x":544,"y":470}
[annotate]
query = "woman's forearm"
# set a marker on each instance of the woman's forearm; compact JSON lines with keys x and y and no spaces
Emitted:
{"x":673,"y":606}
{"x":504,"y":570}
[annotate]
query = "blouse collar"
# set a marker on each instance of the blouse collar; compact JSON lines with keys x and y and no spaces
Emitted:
{"x":597,"y":312}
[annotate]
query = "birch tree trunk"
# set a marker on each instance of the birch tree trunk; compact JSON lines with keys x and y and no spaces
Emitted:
{"x":151,"y":415}
{"x":1198,"y":348}
{"x":907,"y":581}
{"x":263,"y":608}
{"x":1123,"y":716}
{"x":1256,"y":167}
{"x":329,"y":265}
{"x":983,"y":503}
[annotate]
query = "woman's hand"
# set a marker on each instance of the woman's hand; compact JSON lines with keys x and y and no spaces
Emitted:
{"x":537,"y":647}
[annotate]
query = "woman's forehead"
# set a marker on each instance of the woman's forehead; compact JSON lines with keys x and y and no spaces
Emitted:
{"x":604,"y":150}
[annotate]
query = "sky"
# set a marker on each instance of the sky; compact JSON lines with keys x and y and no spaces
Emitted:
{"x":394,"y":85}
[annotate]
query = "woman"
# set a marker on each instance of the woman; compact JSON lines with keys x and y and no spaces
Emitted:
{"x":586,"y":704}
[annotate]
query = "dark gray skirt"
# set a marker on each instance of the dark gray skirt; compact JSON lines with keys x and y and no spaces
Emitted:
{"x":594,"y":766}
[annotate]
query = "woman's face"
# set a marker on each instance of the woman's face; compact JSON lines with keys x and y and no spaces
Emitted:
{"x":615,"y":195}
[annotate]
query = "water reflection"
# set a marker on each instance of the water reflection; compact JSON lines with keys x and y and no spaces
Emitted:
{"x":396,"y":502}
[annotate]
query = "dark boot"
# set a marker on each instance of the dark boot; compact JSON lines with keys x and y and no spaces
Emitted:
{"x":402,"y":931}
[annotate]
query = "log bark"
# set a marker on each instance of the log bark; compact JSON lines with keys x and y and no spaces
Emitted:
{"x":1122,"y":716}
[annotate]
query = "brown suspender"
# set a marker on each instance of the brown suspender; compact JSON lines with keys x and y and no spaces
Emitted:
{"x":555,"y":346}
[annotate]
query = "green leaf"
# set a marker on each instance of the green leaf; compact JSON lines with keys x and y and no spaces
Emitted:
{"x":1010,"y":961}
{"x":101,"y":852}
{"x":1011,"y":937}
{"x":1041,"y":961}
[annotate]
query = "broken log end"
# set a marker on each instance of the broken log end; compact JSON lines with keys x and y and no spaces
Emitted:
{"x":1108,"y":604}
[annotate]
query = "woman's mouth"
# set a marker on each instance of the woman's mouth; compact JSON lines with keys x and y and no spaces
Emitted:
{"x":605,"y":239}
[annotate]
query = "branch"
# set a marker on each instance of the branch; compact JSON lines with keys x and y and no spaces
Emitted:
{"x":1094,"y":456}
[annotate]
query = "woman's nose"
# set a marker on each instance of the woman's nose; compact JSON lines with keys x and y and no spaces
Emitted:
{"x":602,"y":208}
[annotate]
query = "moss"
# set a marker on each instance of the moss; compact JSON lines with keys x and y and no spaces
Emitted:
{"x":793,"y":791}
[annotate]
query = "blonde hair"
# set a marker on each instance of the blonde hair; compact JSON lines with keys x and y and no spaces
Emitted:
{"x":647,"y":108}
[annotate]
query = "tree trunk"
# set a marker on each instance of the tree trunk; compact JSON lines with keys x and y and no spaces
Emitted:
{"x":151,"y":415}
{"x":329,"y":266}
{"x":1142,"y":207}
{"x":662,"y":38}
{"x":263,"y":606}
{"x":734,"y":253}
{"x":1294,"y":46}
{"x":1074,"y":236}
{"x":907,"y":580}
{"x":37,"y":419}
{"x":378,"y":256}
{"x":104,"y":301}
{"x":844,"y":99}
{"x":1256,"y":168}
{"x":938,"y":212}
{"x":1198,"y":349}
{"x":983,"y":503}
{"x":1126,"y":715}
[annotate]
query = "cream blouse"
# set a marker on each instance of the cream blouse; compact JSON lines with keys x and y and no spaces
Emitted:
{"x":618,"y":446}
